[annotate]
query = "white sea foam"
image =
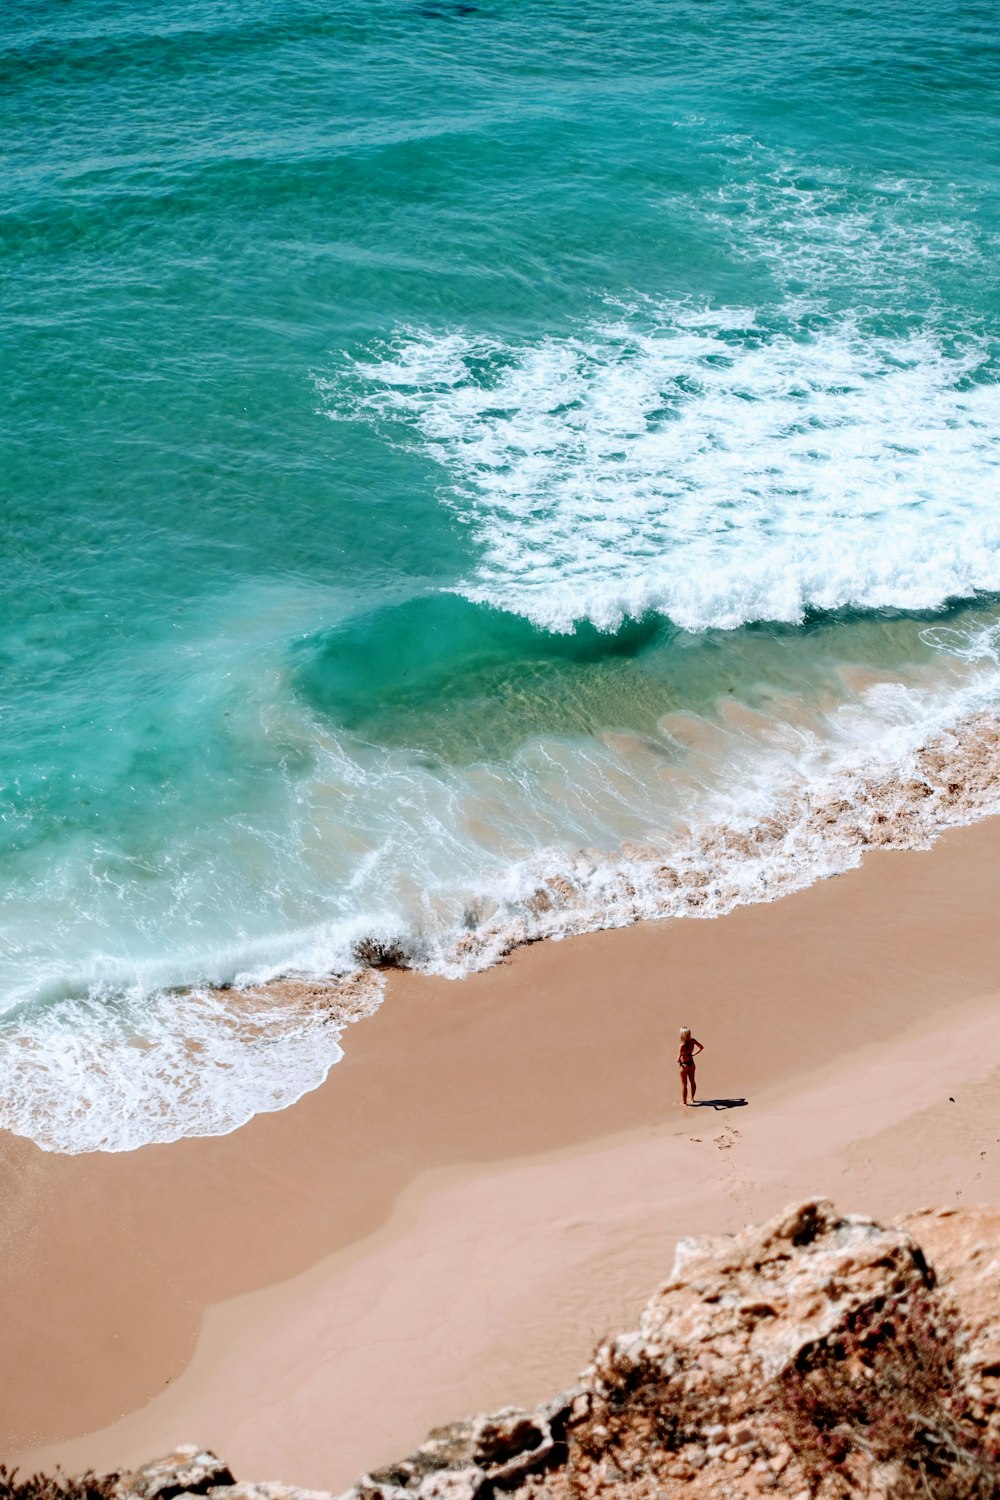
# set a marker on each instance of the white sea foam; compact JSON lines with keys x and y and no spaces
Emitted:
{"x":114,"y":1070}
{"x":696,"y":464}
{"x":823,"y":228}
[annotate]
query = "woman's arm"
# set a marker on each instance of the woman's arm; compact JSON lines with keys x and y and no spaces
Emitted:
{"x":697,"y":1044}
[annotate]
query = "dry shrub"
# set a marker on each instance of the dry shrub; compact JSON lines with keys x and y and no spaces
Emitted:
{"x":639,"y":1414}
{"x":380,"y":953}
{"x":882,"y":1408}
{"x":57,"y":1486}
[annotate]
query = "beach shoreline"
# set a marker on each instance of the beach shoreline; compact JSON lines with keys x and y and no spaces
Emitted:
{"x":206,"y":1057}
{"x":497,"y":1171}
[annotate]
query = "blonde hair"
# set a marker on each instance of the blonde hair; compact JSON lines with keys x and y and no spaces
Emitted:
{"x":685,"y":1032}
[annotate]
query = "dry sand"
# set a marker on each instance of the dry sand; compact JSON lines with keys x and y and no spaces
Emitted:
{"x":497,"y":1173}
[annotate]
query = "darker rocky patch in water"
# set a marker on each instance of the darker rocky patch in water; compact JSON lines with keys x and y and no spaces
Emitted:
{"x":378,"y":953}
{"x":447,"y":12}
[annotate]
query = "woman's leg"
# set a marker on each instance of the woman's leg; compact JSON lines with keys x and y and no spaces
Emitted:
{"x":694,"y":1086}
{"x":684,"y":1085}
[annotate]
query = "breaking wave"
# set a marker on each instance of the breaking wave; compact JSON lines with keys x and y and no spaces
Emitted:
{"x":743,"y":807}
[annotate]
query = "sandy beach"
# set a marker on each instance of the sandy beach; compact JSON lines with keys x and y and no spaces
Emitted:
{"x":497,"y":1173}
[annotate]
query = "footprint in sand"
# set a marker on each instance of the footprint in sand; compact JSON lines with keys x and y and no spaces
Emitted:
{"x":731,"y":1179}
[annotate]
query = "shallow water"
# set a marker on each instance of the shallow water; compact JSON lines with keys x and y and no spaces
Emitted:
{"x":446,"y":445}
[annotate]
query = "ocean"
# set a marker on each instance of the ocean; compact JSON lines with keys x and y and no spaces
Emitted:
{"x":471,"y":472}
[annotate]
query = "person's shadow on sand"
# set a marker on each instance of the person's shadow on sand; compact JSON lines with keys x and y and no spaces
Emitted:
{"x":718,"y":1103}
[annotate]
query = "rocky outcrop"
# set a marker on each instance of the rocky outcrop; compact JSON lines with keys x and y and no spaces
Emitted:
{"x":963,"y":1245}
{"x":476,"y":1458}
{"x":819,"y":1354}
{"x":187,"y":1471}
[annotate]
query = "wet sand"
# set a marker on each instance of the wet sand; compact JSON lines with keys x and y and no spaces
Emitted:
{"x":497,"y":1173}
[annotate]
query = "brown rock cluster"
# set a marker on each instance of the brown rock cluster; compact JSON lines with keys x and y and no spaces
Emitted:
{"x":187,"y":1471}
{"x":817,"y":1355}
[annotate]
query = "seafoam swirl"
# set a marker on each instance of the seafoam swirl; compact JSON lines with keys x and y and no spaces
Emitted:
{"x":702,"y":465}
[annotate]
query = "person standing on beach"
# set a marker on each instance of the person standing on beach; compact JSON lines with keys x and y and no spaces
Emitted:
{"x":686,"y":1053}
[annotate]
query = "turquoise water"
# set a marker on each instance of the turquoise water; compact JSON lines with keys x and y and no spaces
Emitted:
{"x":423,"y":424}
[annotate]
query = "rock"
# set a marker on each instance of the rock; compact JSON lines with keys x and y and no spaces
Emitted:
{"x":964,"y":1248}
{"x":779,"y":1460}
{"x":470,"y":1459}
{"x":453,"y":1484}
{"x":188,"y":1470}
{"x":762,"y":1297}
{"x":242,"y":1490}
